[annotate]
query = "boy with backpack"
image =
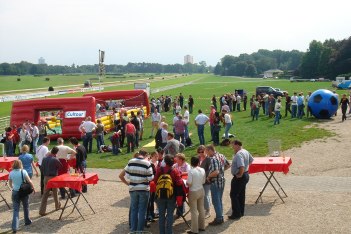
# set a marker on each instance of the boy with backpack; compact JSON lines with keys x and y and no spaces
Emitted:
{"x":166,"y":179}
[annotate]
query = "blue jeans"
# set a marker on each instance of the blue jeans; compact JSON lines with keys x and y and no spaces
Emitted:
{"x":255,"y":114}
{"x":137,"y":132}
{"x":212,"y":131}
{"x":35,"y":144}
{"x":16,"y":200}
{"x":115,"y":149}
{"x":238,"y":107}
{"x":186,"y":133}
{"x":166,"y":222}
{"x":130,"y":143}
{"x":200,"y":132}
{"x":217,"y":194}
{"x":207,"y":198}
{"x":277,"y":117}
{"x":293,"y":111}
{"x":138,"y":206}
{"x":180,"y":137}
{"x":88,"y":142}
{"x":227,"y":128}
{"x":9,"y":148}
{"x":100,"y":141}
{"x":300,"y":111}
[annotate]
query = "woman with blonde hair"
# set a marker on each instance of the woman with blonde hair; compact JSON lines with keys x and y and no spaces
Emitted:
{"x":27,"y":161}
{"x":16,"y":178}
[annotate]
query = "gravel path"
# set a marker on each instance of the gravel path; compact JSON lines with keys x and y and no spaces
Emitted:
{"x":318,"y":187}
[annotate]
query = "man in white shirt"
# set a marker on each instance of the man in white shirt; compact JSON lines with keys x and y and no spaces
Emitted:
{"x":200,"y":121}
{"x":294,"y":105}
{"x":65,"y":152}
{"x":227,"y":122}
{"x":89,"y":128}
{"x":41,"y":154}
{"x":308,"y":111}
{"x":156,"y":120}
{"x":35,"y":137}
{"x":186,"y":118}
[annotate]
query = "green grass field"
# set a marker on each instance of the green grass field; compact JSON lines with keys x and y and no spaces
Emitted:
{"x":255,"y":135}
{"x":39,"y":82}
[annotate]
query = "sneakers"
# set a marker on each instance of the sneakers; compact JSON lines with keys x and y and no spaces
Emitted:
{"x":216,"y":222}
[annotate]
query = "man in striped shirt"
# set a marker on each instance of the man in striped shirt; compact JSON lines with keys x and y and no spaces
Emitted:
{"x":139,"y":173}
{"x":218,"y":165}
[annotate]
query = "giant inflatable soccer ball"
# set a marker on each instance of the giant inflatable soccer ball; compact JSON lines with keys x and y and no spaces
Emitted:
{"x":323,"y":104}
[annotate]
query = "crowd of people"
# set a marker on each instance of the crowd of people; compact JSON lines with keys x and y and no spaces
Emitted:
{"x":51,"y":163}
{"x":203,"y":180}
{"x":167,"y":179}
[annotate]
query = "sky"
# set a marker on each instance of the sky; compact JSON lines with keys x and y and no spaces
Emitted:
{"x":163,"y":31}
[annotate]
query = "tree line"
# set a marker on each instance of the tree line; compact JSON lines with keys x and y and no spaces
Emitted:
{"x":326,"y":59}
{"x":25,"y":68}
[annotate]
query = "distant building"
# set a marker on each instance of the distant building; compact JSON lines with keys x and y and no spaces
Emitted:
{"x":272,"y":73}
{"x":188,"y":59}
{"x":41,"y":60}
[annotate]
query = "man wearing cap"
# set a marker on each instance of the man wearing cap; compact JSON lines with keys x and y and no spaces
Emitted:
{"x":239,"y":169}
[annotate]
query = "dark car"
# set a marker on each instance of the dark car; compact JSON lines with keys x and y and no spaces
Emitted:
{"x":260,"y":90}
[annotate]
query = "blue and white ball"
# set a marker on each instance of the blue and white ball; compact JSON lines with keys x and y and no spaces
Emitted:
{"x":323,"y":104}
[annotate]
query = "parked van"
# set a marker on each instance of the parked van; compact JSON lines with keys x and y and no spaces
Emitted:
{"x":260,"y":90}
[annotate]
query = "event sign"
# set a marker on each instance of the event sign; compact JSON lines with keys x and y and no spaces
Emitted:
{"x":75,"y":114}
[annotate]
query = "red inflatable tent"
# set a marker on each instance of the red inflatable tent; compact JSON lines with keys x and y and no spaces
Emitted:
{"x":132,"y":98}
{"x":73,"y":112}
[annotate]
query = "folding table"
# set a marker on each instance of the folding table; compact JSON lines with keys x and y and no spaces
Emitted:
{"x":6,"y":163}
{"x":5,"y":177}
{"x":73,"y":182}
{"x":271,"y":165}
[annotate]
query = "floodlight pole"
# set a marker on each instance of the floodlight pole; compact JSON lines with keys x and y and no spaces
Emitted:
{"x":100,"y":70}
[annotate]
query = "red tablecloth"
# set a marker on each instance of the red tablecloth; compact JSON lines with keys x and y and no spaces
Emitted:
{"x":4,"y":176}
{"x":278,"y":164}
{"x":7,"y":164}
{"x":73,"y":182}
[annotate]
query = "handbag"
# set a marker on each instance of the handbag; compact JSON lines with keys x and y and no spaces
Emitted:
{"x":25,"y":188}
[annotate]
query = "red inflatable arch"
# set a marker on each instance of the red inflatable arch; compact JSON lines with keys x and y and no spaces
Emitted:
{"x":67,"y":112}
{"x":132,"y":98}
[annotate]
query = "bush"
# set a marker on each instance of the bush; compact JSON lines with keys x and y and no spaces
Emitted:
{"x":47,"y":78}
{"x":18,"y":79}
{"x":51,"y":88}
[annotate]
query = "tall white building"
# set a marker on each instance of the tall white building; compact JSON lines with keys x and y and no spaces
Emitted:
{"x":41,"y":60}
{"x":188,"y":59}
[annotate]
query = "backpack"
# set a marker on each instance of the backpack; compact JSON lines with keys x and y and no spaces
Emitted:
{"x":164,"y":186}
{"x":188,"y":142}
{"x":158,"y":138}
